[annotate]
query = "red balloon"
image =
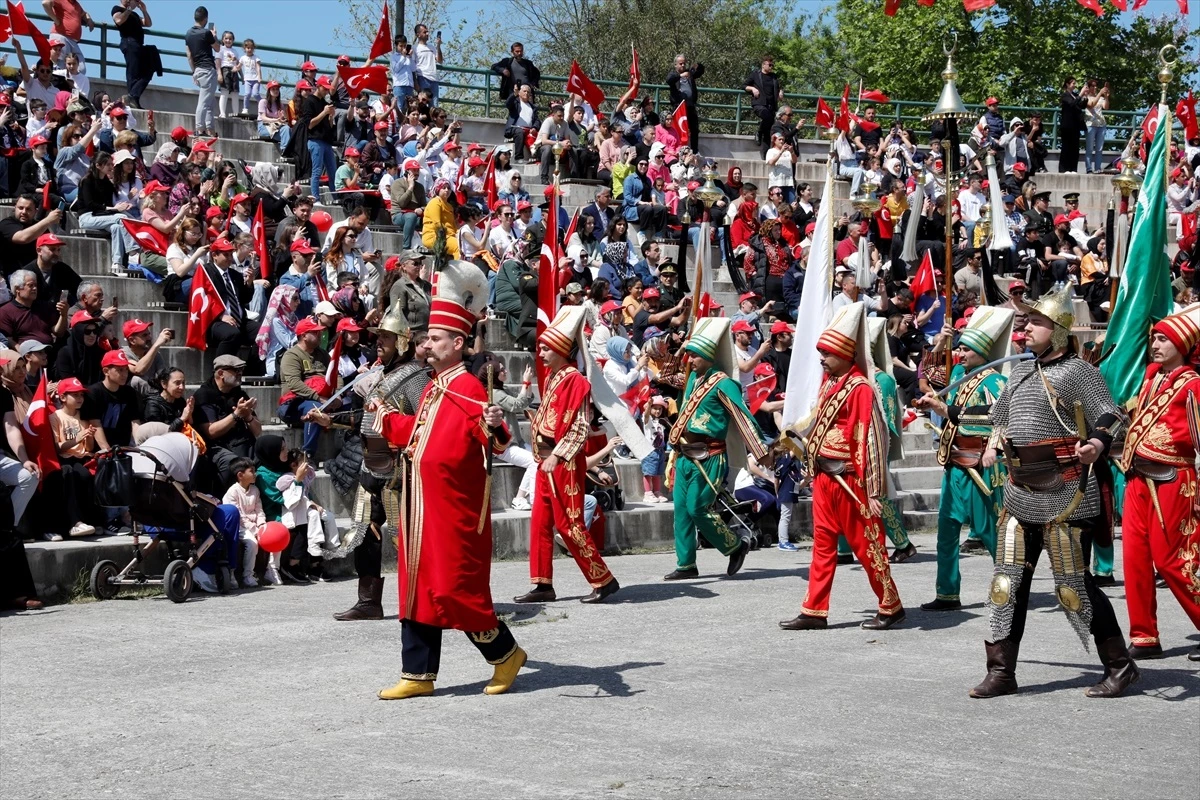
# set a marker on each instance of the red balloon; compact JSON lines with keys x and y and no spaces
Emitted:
{"x":322,"y":220}
{"x":274,"y":537}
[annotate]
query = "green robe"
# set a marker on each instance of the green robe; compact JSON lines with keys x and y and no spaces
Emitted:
{"x":696,"y":482}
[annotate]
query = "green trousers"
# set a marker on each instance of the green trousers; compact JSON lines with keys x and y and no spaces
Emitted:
{"x":694,"y":498}
{"x":1102,"y":557}
{"x":962,"y":503}
{"x":893,"y":526}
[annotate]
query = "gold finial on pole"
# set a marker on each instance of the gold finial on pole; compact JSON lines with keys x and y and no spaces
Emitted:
{"x":1165,"y":73}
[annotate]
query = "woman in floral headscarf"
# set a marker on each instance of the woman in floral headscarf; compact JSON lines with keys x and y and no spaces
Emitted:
{"x":165,"y":168}
{"x":347,"y":301}
{"x":278,"y":330}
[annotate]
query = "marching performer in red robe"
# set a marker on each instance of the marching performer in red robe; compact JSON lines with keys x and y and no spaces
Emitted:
{"x":1159,"y":523}
{"x":847,"y":455}
{"x":560,"y":431}
{"x":445,"y":537}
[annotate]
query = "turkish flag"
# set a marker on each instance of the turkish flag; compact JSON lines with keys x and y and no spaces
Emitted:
{"x":20,"y":25}
{"x":1137,"y":4}
{"x":579,"y":83}
{"x":383,"y":38}
{"x":1183,"y":6}
{"x":637,"y":396}
{"x":149,"y":237}
{"x":1092,"y":5}
{"x":978,"y":5}
{"x":924,"y":281}
{"x":758,"y":391}
{"x":890,"y":7}
{"x":46,"y":196}
{"x":205,"y":307}
{"x":364,"y":79}
{"x":5,"y":28}
{"x":873,"y":96}
{"x":1187,"y":226}
{"x":1122,"y":5}
{"x":258,"y":230}
{"x":679,"y":124}
{"x":635,"y":74}
{"x":1186,"y":111}
{"x":547,"y":272}
{"x":39,"y":438}
{"x":1150,"y":126}
{"x":842,"y":123}
{"x":490,"y":192}
{"x":703,"y":305}
{"x":331,"y":374}
{"x":824,"y":116}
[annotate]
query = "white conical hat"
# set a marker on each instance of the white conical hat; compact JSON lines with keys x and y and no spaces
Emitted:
{"x":711,"y":339}
{"x":989,"y":333}
{"x":847,"y":336}
{"x":565,"y":333}
{"x":881,"y":354}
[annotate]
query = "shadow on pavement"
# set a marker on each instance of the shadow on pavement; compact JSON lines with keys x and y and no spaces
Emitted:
{"x":940,"y":620}
{"x":1163,"y":683}
{"x":607,"y":681}
{"x":666,"y":590}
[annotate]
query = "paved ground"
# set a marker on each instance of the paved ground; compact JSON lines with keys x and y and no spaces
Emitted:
{"x":677,"y":690}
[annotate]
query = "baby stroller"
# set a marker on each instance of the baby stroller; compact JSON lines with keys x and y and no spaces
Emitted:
{"x":153,"y":481}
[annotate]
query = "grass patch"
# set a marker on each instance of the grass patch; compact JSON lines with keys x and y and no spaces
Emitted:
{"x":80,"y":592}
{"x":510,"y":619}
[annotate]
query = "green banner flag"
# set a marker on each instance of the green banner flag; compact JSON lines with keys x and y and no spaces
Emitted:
{"x":1144,"y":296}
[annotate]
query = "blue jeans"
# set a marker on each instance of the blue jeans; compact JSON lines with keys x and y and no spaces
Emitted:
{"x":424,"y":84}
{"x":402,"y":92}
{"x":408,"y":220}
{"x":122,"y":242}
{"x":1093,"y":158}
{"x":264,"y":132}
{"x":323,"y":160}
{"x":851,"y":170}
{"x":694,"y":236}
{"x":292,"y":411}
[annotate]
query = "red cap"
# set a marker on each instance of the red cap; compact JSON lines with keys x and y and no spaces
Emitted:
{"x":202,"y":147}
{"x":272,"y":84}
{"x":741,"y":326}
{"x":221,"y":245}
{"x":991,"y":101}
{"x":303,"y":85}
{"x":308,"y":66}
{"x":447,"y":315}
{"x":347,"y":324}
{"x":133,"y":326}
{"x":809,"y":228}
{"x":48,"y":240}
{"x":381,"y":126}
{"x":960,"y":323}
{"x":475,"y":147}
{"x":392,"y":264}
{"x":651,"y":292}
{"x":69,"y":386}
{"x":1017,"y":285}
{"x":155,"y":186}
{"x":118,"y":112}
{"x":452,"y":146}
{"x":37,"y":139}
{"x":411,"y":163}
{"x":343,"y":60}
{"x":213,"y":212}
{"x":524,"y":205}
{"x":1076,"y":214}
{"x":611,"y":306}
{"x":81,"y":316}
{"x":1020,"y":167}
{"x":114,"y":358}
{"x":308,"y":325}
{"x":747,"y":296}
{"x":324,"y":82}
{"x":352,"y":152}
{"x":548,"y":192}
{"x":239,"y":198}
{"x":180,"y":133}
{"x":302,"y":246}
{"x":474,"y":161}
{"x":781,"y":327}
{"x":1061,"y":219}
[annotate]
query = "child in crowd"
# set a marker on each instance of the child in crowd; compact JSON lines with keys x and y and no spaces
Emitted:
{"x":230,"y":77}
{"x":304,"y":517}
{"x":76,"y":443}
{"x":37,"y":118}
{"x":251,"y":77}
{"x":243,"y":496}
{"x":654,"y":424}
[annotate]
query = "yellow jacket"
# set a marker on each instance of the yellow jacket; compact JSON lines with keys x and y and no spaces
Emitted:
{"x":440,"y":214}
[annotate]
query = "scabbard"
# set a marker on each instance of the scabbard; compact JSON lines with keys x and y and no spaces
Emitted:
{"x":863,"y":508}
{"x":1152,"y":487}
{"x":975,"y":476}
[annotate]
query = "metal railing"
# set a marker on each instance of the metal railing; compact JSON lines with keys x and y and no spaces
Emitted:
{"x":469,"y":91}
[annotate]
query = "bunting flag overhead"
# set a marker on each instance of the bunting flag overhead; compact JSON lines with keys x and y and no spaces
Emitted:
{"x":1144,"y":296}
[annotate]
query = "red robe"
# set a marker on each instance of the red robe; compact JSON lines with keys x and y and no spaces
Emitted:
{"x":445,"y":541}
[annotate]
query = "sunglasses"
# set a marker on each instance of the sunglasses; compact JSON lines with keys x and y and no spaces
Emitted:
{"x":1017,"y":291}
{"x":90,"y":331}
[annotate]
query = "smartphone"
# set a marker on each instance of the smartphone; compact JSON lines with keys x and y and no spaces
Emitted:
{"x":62,"y":205}
{"x":439,"y":35}
{"x":150,"y":117}
{"x":212,"y":26}
{"x":63,"y":296}
{"x":116,"y":303}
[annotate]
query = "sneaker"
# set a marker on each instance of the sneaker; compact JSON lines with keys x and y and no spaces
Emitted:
{"x":249,"y":582}
{"x":117,"y":528}
{"x":204,"y":581}
{"x":522,"y":504}
{"x":117,"y":270}
{"x":230,"y":581}
{"x":788,"y":546}
{"x":81,"y":529}
{"x":134,"y":259}
{"x":293,"y":575}
{"x":56,"y":537}
{"x":271,"y":576}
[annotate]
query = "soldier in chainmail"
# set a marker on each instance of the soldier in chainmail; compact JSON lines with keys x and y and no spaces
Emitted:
{"x":1054,"y":499}
{"x":376,"y":506}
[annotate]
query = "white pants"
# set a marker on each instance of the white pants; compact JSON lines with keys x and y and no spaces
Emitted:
{"x":520,"y":457}
{"x":249,"y":553}
{"x":322,"y":529}
{"x":24,"y":483}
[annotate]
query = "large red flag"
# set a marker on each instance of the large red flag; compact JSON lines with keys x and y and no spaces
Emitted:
{"x":1183,"y":6}
{"x":579,"y":83}
{"x":873,"y":96}
{"x":1185,"y":110}
{"x":842,"y":123}
{"x":824,"y":116}
{"x":635,"y":74}
{"x":764,"y":383}
{"x":383,"y":37}
{"x":364,"y":79}
{"x":637,"y":396}
{"x":1093,"y":6}
{"x":5,"y":28}
{"x":331,"y":374}
{"x":490,"y":191}
{"x":890,"y":7}
{"x":679,"y":124}
{"x":547,"y":270}
{"x":20,"y":25}
{"x":258,"y":230}
{"x":205,"y":307}
{"x":149,"y":237}
{"x":39,"y":437}
{"x":925,"y":280}
{"x":978,"y":5}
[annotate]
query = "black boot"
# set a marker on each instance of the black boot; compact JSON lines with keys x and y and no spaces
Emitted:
{"x":1140,"y":651}
{"x":599,"y":595}
{"x":370,"y":601}
{"x":738,"y":558}
{"x":1002,"y":670}
{"x":540,"y":593}
{"x":1120,"y":672}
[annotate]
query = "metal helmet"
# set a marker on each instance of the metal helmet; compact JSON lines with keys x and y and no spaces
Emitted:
{"x":1058,"y":306}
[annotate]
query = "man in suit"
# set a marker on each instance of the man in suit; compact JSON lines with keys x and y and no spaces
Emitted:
{"x":601,"y":210}
{"x":516,"y":70}
{"x":1070,"y":124}
{"x":682,"y":80}
{"x":227,"y":334}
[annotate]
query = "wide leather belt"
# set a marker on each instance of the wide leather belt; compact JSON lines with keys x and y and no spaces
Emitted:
{"x":378,"y":457}
{"x":1042,"y":468}
{"x":967,"y":451}
{"x":833,"y":466}
{"x":544,"y":447}
{"x":1153,"y":470}
{"x":700,"y":450}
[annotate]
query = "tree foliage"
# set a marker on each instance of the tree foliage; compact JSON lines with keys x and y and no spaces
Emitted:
{"x":1018,"y":50}
{"x":726,"y":35}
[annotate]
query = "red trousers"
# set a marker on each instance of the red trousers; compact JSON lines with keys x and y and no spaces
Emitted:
{"x":558,"y":505}
{"x":836,"y":513}
{"x":1173,"y":550}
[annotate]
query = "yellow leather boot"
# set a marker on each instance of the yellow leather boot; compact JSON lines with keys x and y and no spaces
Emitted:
{"x":505,"y":673}
{"x":407,"y":688}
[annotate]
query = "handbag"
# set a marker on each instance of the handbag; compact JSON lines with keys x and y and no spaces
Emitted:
{"x":114,"y":480}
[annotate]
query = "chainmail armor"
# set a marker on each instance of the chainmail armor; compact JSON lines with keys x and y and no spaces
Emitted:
{"x":1007,"y":577}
